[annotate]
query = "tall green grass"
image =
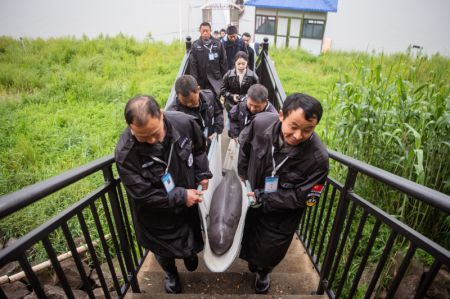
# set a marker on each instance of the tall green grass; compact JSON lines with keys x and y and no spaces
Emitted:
{"x":61,"y":105}
{"x":395,"y":115}
{"x":390,"y":111}
{"x":62,"y":100}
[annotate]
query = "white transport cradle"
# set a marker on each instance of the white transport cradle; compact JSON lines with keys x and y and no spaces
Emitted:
{"x":216,"y":263}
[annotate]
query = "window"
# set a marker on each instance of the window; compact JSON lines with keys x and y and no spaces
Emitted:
{"x":313,"y":29}
{"x":265,"y":25}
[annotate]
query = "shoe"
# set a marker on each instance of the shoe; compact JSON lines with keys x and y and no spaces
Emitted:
{"x":172,"y":283}
{"x":191,"y":263}
{"x":252,"y":267}
{"x":262,"y":283}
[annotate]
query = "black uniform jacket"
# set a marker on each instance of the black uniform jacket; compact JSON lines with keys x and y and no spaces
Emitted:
{"x":164,"y":224}
{"x":208,"y":72}
{"x":209,"y":115}
{"x":231,"y":48}
{"x":269,"y":229}
{"x":241,"y":117}
{"x":232,"y":86}
{"x":251,"y":57}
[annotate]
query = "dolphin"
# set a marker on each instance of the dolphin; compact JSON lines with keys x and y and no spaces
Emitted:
{"x":225,"y":212}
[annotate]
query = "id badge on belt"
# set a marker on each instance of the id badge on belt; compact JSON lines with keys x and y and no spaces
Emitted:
{"x":168,"y":182}
{"x":271,"y":184}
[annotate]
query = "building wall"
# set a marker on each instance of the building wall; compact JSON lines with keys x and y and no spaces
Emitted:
{"x":313,"y":46}
{"x":390,"y":26}
{"x":247,"y":20}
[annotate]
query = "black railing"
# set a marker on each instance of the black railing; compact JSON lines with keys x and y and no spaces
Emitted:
{"x":333,"y":236}
{"x":330,"y":232}
{"x":333,"y":239}
{"x":269,"y":77}
{"x":110,"y":212}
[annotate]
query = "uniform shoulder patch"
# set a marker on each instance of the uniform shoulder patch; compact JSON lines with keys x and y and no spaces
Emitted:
{"x":314,"y":194}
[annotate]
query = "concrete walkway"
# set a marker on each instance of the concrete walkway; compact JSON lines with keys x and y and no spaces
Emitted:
{"x":294,"y":277}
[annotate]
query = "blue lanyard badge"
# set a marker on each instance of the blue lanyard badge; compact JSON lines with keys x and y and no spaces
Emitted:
{"x":211,"y":54}
{"x":271,"y":182}
{"x":167,"y":179}
{"x":168,"y":182}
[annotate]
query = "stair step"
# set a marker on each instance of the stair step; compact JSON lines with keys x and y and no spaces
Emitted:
{"x":295,"y":261}
{"x":290,"y":264}
{"x":226,"y":296}
{"x":228,"y":283}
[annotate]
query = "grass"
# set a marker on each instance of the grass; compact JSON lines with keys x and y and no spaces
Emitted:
{"x":62,"y":100}
{"x":61,"y":105}
{"x":392,"y":112}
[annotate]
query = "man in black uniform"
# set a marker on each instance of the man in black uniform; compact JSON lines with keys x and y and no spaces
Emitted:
{"x":208,"y":61}
{"x":246,"y":37}
{"x":232,"y":44}
{"x":161,"y":159}
{"x":222,"y":33}
{"x":245,"y":111}
{"x":201,"y":104}
{"x":286,"y":164}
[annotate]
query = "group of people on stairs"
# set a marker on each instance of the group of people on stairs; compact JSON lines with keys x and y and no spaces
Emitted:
{"x":161,"y":158}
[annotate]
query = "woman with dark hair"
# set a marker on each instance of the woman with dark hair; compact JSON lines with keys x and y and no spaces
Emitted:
{"x":237,"y":81}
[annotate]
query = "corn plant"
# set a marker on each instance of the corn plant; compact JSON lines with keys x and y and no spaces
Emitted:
{"x":397,"y":119}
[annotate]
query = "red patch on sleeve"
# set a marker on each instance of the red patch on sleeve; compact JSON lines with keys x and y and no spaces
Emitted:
{"x":317,"y":188}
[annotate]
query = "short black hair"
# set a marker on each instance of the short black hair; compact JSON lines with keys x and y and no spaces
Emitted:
{"x":216,"y":32}
{"x":240,"y":54}
{"x":310,"y":106}
{"x":258,"y":93}
{"x":185,"y":84}
{"x":223,"y":30}
{"x":232,"y":30}
{"x":246,"y":34}
{"x":204,"y":24}
{"x":140,"y":108}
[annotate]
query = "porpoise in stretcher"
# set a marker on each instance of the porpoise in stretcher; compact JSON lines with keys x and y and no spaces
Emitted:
{"x":224,"y":213}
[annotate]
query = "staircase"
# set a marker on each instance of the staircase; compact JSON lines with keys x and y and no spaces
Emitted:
{"x":294,"y":277}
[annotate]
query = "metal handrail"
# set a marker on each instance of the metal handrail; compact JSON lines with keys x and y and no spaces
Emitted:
{"x":435,"y":249}
{"x":279,"y":90}
{"x":326,"y":251}
{"x":183,"y":70}
{"x":15,"y":201}
{"x":423,"y":193}
{"x":309,"y":235}
{"x":33,"y":236}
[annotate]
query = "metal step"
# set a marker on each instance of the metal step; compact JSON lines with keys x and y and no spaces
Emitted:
{"x":294,"y":276}
{"x":228,"y":296}
{"x":230,"y":283}
{"x":295,"y":261}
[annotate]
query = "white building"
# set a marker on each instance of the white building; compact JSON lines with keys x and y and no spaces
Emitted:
{"x":351,"y":25}
{"x":288,"y":23}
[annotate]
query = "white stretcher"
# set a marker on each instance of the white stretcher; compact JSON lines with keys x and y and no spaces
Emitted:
{"x":216,"y":263}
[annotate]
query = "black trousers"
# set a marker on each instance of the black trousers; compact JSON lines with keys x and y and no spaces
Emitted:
{"x":166,"y":263}
{"x":261,"y":270}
